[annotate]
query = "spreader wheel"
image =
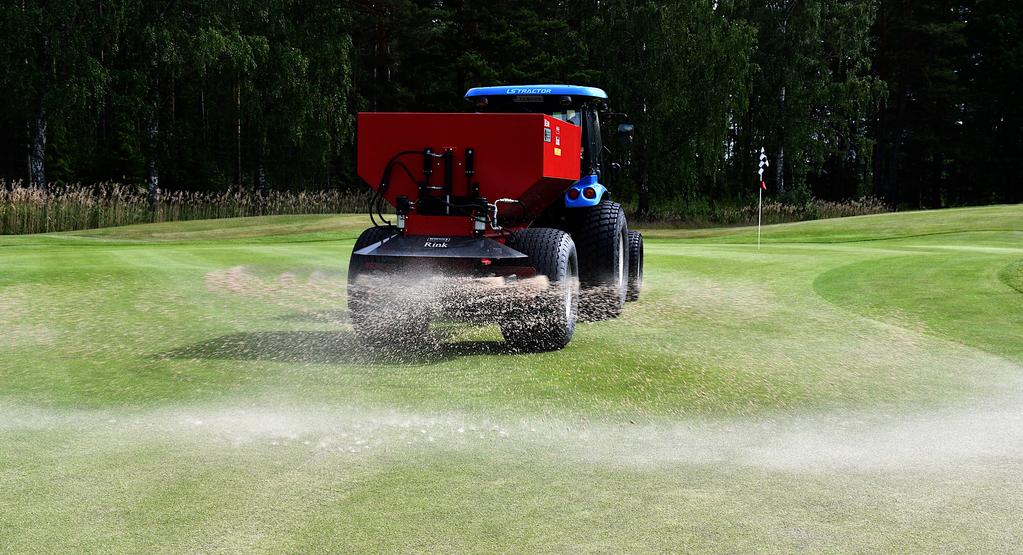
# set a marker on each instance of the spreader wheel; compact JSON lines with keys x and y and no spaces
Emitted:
{"x":601,"y":234}
{"x":366,"y":238}
{"x":546,"y":321}
{"x":635,"y":265}
{"x":378,"y":319}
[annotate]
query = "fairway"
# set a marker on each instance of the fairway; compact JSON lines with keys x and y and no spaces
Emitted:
{"x":854,"y":385}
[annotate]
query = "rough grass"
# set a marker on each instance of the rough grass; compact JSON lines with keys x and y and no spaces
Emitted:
{"x":852,"y":386}
{"x":695,"y":213}
{"x":1003,"y":219}
{"x":1012,"y":275}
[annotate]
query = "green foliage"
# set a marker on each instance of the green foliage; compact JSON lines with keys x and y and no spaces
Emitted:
{"x":951,"y":130}
{"x":679,"y":71}
{"x":425,"y":55}
{"x":917,"y":104}
{"x":207,"y":93}
{"x":50,"y":48}
{"x":811,"y":94}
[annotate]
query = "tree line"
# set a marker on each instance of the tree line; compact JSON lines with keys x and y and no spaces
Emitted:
{"x":916,"y":103}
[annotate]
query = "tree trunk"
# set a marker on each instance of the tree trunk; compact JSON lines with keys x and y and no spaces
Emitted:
{"x":880,"y":168}
{"x":643,"y":208}
{"x":259,"y":202}
{"x":152,"y":153}
{"x":260,"y":178}
{"x":153,"y":136}
{"x":205,"y":123}
{"x":746,"y":152}
{"x":644,"y":196}
{"x":37,"y":151}
{"x":327,"y":159}
{"x":238,"y":128}
{"x":780,"y":170}
{"x":781,"y":149}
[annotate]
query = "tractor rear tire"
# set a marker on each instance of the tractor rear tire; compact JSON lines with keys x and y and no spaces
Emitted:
{"x":601,"y":234}
{"x":377,"y":320}
{"x":547,"y":321}
{"x":635,"y":265}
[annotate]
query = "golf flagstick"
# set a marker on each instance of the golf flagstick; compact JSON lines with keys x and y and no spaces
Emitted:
{"x":760,"y":211}
{"x":763,"y":186}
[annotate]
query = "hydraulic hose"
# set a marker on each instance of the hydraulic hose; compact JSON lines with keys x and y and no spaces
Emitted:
{"x":376,"y":202}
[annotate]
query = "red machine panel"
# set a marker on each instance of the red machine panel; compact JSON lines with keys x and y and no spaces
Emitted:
{"x":562,"y":155}
{"x":527,"y":157}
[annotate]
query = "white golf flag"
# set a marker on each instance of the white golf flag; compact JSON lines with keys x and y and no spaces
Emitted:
{"x":760,"y":192}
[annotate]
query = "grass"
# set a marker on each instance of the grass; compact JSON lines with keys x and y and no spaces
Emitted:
{"x":852,"y":386}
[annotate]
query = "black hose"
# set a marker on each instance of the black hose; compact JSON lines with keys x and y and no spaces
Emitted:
{"x":408,"y":172}
{"x":376,"y":202}
{"x":385,"y":182}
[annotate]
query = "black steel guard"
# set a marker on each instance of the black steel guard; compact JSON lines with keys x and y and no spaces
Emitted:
{"x":441,"y":247}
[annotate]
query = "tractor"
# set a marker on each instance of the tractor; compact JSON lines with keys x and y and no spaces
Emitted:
{"x":501,"y":215}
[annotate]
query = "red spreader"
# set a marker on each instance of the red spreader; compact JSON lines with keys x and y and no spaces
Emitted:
{"x":442,"y":172}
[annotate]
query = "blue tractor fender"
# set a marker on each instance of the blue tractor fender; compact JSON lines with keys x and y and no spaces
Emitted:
{"x":580,"y":187}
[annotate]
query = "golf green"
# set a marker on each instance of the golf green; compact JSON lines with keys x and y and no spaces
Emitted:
{"x":853,"y":385}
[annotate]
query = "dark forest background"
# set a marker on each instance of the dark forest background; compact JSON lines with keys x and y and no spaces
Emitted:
{"x":916,"y":103}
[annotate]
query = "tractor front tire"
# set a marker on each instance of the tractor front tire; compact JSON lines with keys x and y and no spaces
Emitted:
{"x":601,"y":235}
{"x":635,"y":265}
{"x":378,"y":320}
{"x":547,"y":320}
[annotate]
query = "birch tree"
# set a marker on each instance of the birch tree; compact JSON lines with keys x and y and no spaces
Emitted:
{"x":48,"y":67}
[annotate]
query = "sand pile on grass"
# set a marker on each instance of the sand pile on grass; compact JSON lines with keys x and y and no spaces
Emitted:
{"x":14,"y":330}
{"x":286,"y":289}
{"x":21,"y":335}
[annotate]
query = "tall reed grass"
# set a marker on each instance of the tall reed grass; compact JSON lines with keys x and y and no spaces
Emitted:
{"x":73,"y":207}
